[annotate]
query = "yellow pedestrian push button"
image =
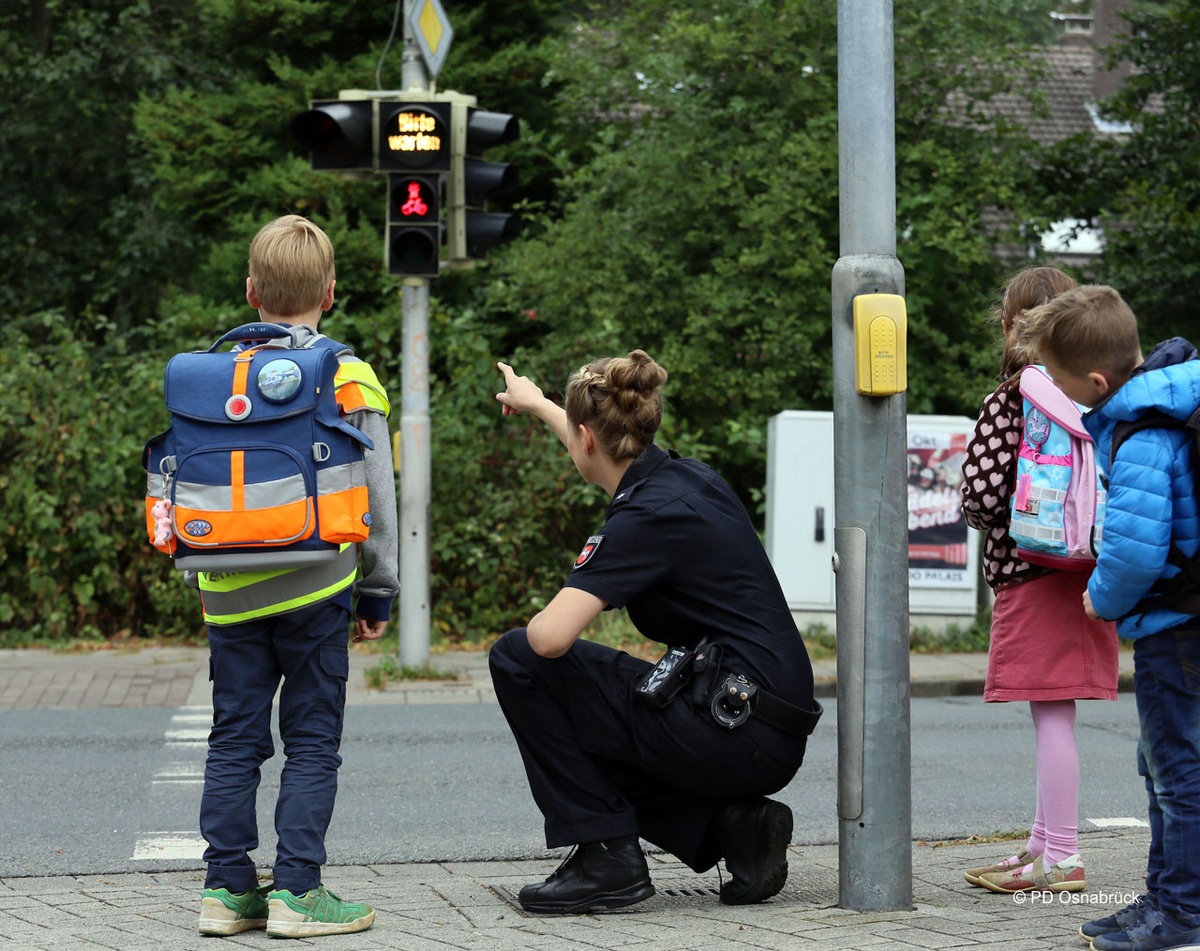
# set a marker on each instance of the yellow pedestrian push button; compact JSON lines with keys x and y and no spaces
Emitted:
{"x":880,"y":344}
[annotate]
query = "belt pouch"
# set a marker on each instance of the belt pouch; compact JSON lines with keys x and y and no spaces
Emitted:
{"x":664,"y":681}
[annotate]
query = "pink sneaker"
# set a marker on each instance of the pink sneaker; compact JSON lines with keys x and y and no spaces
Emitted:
{"x":1019,"y":860}
{"x":1064,"y":876}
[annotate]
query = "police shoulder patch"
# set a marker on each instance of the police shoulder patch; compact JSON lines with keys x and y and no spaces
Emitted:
{"x":589,"y":549}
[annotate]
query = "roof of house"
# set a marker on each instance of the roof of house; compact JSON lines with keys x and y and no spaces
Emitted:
{"x":1060,"y":109}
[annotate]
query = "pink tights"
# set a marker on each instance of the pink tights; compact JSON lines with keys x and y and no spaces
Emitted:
{"x":1055,"y":833}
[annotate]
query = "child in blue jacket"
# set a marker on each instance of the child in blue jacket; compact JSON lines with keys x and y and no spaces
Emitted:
{"x":1088,"y":340}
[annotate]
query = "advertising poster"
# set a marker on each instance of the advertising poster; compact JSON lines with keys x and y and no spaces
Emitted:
{"x":937,"y":531}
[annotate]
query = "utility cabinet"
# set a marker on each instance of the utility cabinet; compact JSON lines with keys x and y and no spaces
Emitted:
{"x":943,"y":552}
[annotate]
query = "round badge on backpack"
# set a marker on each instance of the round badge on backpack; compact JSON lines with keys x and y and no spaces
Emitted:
{"x":1037,"y":428}
{"x":279,"y":380}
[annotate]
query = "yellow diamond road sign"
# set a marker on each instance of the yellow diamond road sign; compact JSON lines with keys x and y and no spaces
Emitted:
{"x":432,"y":31}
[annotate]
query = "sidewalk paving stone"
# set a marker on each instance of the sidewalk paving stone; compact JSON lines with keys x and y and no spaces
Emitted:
{"x":472,"y":905}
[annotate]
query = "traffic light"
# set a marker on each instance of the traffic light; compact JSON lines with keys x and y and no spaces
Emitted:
{"x":414,"y":135}
{"x":423,"y":145}
{"x":473,"y":182}
{"x":414,"y":228}
{"x":370,"y":135}
{"x":339,"y":133}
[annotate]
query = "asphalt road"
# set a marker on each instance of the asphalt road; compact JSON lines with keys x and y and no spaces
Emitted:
{"x":93,"y":791}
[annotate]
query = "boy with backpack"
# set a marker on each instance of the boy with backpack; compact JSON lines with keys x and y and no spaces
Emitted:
{"x":289,"y":624}
{"x":1087,"y":338}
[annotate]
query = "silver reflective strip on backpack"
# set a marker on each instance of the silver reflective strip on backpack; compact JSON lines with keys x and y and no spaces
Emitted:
{"x":256,"y":495}
{"x":340,"y":478}
{"x":265,"y":495}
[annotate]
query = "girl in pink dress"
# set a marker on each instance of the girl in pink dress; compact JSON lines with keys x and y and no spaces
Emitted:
{"x":1043,"y":648}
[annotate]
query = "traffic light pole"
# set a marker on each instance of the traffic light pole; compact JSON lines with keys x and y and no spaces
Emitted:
{"x":407,"y":134}
{"x":415,"y":444}
{"x":415,"y":472}
{"x":871,"y":534}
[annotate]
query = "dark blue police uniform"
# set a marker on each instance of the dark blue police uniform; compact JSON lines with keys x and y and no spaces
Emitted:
{"x":679,"y":552}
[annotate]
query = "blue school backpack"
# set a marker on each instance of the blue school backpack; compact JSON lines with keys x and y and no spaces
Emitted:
{"x":257,"y":470}
{"x":1057,"y":508}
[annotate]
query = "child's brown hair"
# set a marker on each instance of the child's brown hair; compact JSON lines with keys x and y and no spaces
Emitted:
{"x":1090,"y":328}
{"x":291,"y":266}
{"x":1025,"y":290}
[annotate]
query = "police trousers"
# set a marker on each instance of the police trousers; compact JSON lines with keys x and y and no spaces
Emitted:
{"x":602,"y":765}
{"x":308,"y":649}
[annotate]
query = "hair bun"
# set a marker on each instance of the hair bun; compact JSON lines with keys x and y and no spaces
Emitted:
{"x":622,"y":398}
{"x":637,"y":371}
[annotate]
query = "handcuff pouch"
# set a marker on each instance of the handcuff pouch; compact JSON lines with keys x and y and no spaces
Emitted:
{"x":731,"y":704}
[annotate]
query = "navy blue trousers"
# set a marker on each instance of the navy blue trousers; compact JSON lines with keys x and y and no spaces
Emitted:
{"x":1166,"y":685}
{"x":306,"y":649}
{"x":602,"y":765}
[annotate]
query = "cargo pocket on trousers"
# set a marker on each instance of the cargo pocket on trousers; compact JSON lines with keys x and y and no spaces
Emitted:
{"x":335,"y":664}
{"x":335,"y":661}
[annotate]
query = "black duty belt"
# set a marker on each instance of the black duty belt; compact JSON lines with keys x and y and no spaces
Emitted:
{"x":732,"y":698}
{"x":737,"y":698}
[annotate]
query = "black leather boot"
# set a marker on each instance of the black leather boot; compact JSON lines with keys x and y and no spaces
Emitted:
{"x":595,"y":875}
{"x":753,"y":836}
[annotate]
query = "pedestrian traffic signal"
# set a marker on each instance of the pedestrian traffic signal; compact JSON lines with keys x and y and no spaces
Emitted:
{"x":339,"y":133}
{"x":414,"y":135}
{"x":422,"y":145}
{"x":414,"y":227}
{"x":473,"y":183}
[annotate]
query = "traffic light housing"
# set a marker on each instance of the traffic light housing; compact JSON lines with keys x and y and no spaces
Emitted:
{"x":414,"y":227}
{"x":414,"y":135}
{"x":375,"y":135}
{"x":473,"y":182}
{"x":339,"y":134}
{"x":430,"y":147}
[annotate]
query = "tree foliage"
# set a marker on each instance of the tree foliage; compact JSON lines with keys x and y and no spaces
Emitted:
{"x":705,"y":224}
{"x":82,"y":229}
{"x":1143,"y":188}
{"x":680,"y":194}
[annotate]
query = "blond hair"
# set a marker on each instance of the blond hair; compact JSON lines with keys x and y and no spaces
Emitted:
{"x":1024,"y":291}
{"x":1090,"y":328}
{"x":620,"y":398}
{"x":291,"y":266}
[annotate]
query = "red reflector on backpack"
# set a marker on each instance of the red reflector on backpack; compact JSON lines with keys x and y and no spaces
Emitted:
{"x":238,"y":407}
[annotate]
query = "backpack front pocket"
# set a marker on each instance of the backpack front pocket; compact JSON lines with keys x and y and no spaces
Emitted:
{"x":242,"y":497}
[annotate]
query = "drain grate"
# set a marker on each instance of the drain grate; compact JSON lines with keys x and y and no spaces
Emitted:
{"x":688,"y":891}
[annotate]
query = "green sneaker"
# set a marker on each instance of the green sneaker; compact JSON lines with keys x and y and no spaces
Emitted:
{"x":223,"y":912}
{"x":318,"y":911}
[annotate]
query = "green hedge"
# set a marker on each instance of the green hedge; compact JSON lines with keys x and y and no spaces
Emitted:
{"x":75,"y":559}
{"x":508,"y":510}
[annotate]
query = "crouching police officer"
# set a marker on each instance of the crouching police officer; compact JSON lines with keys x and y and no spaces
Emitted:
{"x":682,"y":753}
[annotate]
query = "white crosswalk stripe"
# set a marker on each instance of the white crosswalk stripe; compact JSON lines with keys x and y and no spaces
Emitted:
{"x":1120,"y":822}
{"x":187,"y":738}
